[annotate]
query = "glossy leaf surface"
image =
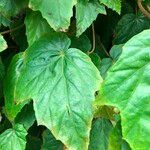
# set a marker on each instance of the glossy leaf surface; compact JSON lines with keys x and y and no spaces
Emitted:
{"x":13,"y":138}
{"x":128,"y":84}
{"x":100,"y":134}
{"x":56,"y":12}
{"x":58,"y":85}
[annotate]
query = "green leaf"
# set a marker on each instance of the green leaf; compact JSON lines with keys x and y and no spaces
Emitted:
{"x":130,"y":25}
{"x":100,"y":134}
{"x":58,"y":86}
{"x":106,"y":63}
{"x":36,"y":26}
{"x":3,"y":44}
{"x":8,"y":8}
{"x":115,"y":139}
{"x":116,"y":51}
{"x":128,"y":84}
{"x":13,"y":138}
{"x":13,"y":72}
{"x":26,"y":116}
{"x":86,"y":13}
{"x":49,"y":142}
{"x":56,"y":12}
{"x":113,"y":4}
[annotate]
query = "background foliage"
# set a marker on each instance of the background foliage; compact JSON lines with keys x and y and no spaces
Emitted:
{"x":74,"y":74}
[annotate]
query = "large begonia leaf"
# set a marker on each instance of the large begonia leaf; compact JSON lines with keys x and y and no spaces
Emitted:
{"x":62,"y":82}
{"x":127,"y":86}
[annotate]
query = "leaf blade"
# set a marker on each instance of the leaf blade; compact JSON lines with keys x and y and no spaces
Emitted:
{"x":61,"y":74}
{"x":124,"y":83}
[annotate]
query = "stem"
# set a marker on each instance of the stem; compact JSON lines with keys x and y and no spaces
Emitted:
{"x":11,"y":30}
{"x":143,"y":10}
{"x":93,"y":33}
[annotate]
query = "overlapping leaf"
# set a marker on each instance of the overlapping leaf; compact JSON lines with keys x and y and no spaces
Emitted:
{"x":49,"y":142}
{"x":113,"y":4}
{"x":86,"y":13}
{"x":9,"y":8}
{"x":13,"y":138}
{"x":127,"y":87}
{"x":106,"y":63}
{"x":130,"y":25}
{"x":100,"y":134}
{"x":36,"y":26}
{"x":26,"y":117}
{"x":56,"y":12}
{"x":115,"y":139}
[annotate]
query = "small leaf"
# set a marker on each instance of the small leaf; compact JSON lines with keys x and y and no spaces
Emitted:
{"x":14,"y":138}
{"x":100,"y":134}
{"x":130,"y":25}
{"x":86,"y":13}
{"x":36,"y":26}
{"x":127,"y":87}
{"x":58,"y":86}
{"x":113,"y":4}
{"x":106,"y":63}
{"x":3,"y":44}
{"x":96,"y":60}
{"x":4,"y":21}
{"x":56,"y":12}
{"x":50,"y":143}
{"x":26,"y":116}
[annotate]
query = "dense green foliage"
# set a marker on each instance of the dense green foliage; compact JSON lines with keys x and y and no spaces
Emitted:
{"x":74,"y":74}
